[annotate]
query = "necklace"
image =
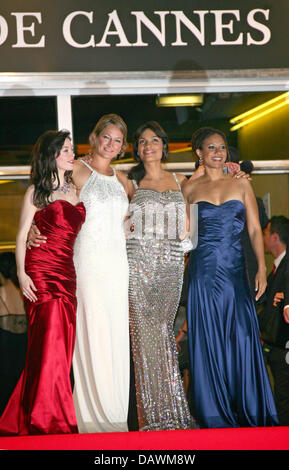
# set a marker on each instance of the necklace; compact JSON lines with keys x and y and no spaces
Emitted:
{"x":65,"y":188}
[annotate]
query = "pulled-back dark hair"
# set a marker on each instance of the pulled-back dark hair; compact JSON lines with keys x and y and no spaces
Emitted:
{"x":44,"y":172}
{"x":280,"y":225}
{"x":138,"y":172}
{"x":202,"y":134}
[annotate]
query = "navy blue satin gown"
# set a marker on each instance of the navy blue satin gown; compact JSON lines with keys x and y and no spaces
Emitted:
{"x":230,"y":384}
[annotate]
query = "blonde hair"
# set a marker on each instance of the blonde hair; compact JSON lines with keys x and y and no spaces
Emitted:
{"x":105,"y":121}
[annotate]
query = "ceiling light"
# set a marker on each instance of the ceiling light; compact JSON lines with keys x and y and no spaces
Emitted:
{"x":259,"y":111}
{"x":179,"y":100}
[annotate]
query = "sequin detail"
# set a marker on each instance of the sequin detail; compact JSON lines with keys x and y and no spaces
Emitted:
{"x":156,"y":274}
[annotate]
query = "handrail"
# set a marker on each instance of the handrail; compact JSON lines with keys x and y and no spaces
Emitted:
{"x":260,"y":167}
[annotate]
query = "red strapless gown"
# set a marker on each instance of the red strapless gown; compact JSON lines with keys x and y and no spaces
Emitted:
{"x":42,"y":400}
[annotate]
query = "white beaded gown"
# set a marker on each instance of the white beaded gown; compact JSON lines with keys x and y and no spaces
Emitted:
{"x":156,"y":262}
{"x":101,"y":358}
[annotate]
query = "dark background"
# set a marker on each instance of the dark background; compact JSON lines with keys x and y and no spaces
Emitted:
{"x":58,"y":56}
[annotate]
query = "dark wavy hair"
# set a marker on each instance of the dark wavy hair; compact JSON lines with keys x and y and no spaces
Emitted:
{"x":8,"y":267}
{"x":138,"y":172}
{"x":202,"y":134}
{"x":44,"y":173}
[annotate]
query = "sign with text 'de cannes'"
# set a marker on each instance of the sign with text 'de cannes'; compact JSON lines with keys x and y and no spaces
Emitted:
{"x":143,"y":35}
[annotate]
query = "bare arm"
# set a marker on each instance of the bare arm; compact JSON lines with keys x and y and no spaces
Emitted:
{"x":256,"y":237}
{"x":182,"y":333}
{"x":26,"y":217}
{"x":127,"y":183}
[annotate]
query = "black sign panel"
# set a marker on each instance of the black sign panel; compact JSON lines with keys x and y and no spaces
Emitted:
{"x":147,"y":35}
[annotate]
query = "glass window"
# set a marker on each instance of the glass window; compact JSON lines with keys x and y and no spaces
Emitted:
{"x":22,"y":120}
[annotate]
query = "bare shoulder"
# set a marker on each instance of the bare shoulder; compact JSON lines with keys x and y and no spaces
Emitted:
{"x":77,"y":166}
{"x":125,"y":181}
{"x":30,"y":192}
{"x":190,"y":183}
{"x":121,"y":175}
{"x":244,"y":184}
{"x":28,"y":200}
{"x":189,"y":187}
{"x":80,"y":174}
{"x":181,"y":178}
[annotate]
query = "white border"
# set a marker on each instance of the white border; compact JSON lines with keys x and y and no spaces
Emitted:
{"x":127,"y":83}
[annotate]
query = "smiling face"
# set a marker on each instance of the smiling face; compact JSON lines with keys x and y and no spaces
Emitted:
{"x":213,"y":152}
{"x":65,"y":159}
{"x":109,"y":142}
{"x":150,"y":146}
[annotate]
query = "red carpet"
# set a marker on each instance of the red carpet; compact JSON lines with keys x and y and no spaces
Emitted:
{"x":273,"y":438}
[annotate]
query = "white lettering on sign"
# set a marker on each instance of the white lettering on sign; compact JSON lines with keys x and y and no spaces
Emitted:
{"x":119,"y":31}
{"x":20,"y":28}
{"x":227,"y":28}
{"x":141,"y":18}
{"x":259,"y":27}
{"x":181,"y":18}
{"x":66,"y":29}
{"x":220,"y":26}
{"x":3,"y":30}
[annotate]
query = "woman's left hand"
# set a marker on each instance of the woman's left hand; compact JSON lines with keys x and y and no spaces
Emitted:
{"x":260,"y":283}
{"x":234,"y":170}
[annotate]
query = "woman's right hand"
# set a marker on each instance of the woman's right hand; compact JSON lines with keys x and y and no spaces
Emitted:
{"x":34,"y":237}
{"x":260,"y":283}
{"x":27,"y":287}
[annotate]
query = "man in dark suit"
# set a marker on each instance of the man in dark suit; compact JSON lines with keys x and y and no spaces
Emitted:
{"x":286,"y":292}
{"x":274,"y":329}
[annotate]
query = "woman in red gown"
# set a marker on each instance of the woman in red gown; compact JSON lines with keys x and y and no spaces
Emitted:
{"x":42,"y":400}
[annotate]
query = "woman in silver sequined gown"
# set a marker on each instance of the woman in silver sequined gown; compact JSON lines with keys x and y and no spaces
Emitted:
{"x":156,"y":264}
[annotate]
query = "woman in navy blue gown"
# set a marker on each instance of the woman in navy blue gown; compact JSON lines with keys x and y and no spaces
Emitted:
{"x":230,"y":384}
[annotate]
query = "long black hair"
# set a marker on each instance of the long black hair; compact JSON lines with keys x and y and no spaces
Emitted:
{"x":44,"y":172}
{"x":138,"y":172}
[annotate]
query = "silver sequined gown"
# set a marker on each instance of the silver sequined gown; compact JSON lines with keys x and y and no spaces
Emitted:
{"x":156,"y":263}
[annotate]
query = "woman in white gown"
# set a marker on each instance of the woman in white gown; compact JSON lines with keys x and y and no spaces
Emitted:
{"x":101,"y":356}
{"x":101,"y":359}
